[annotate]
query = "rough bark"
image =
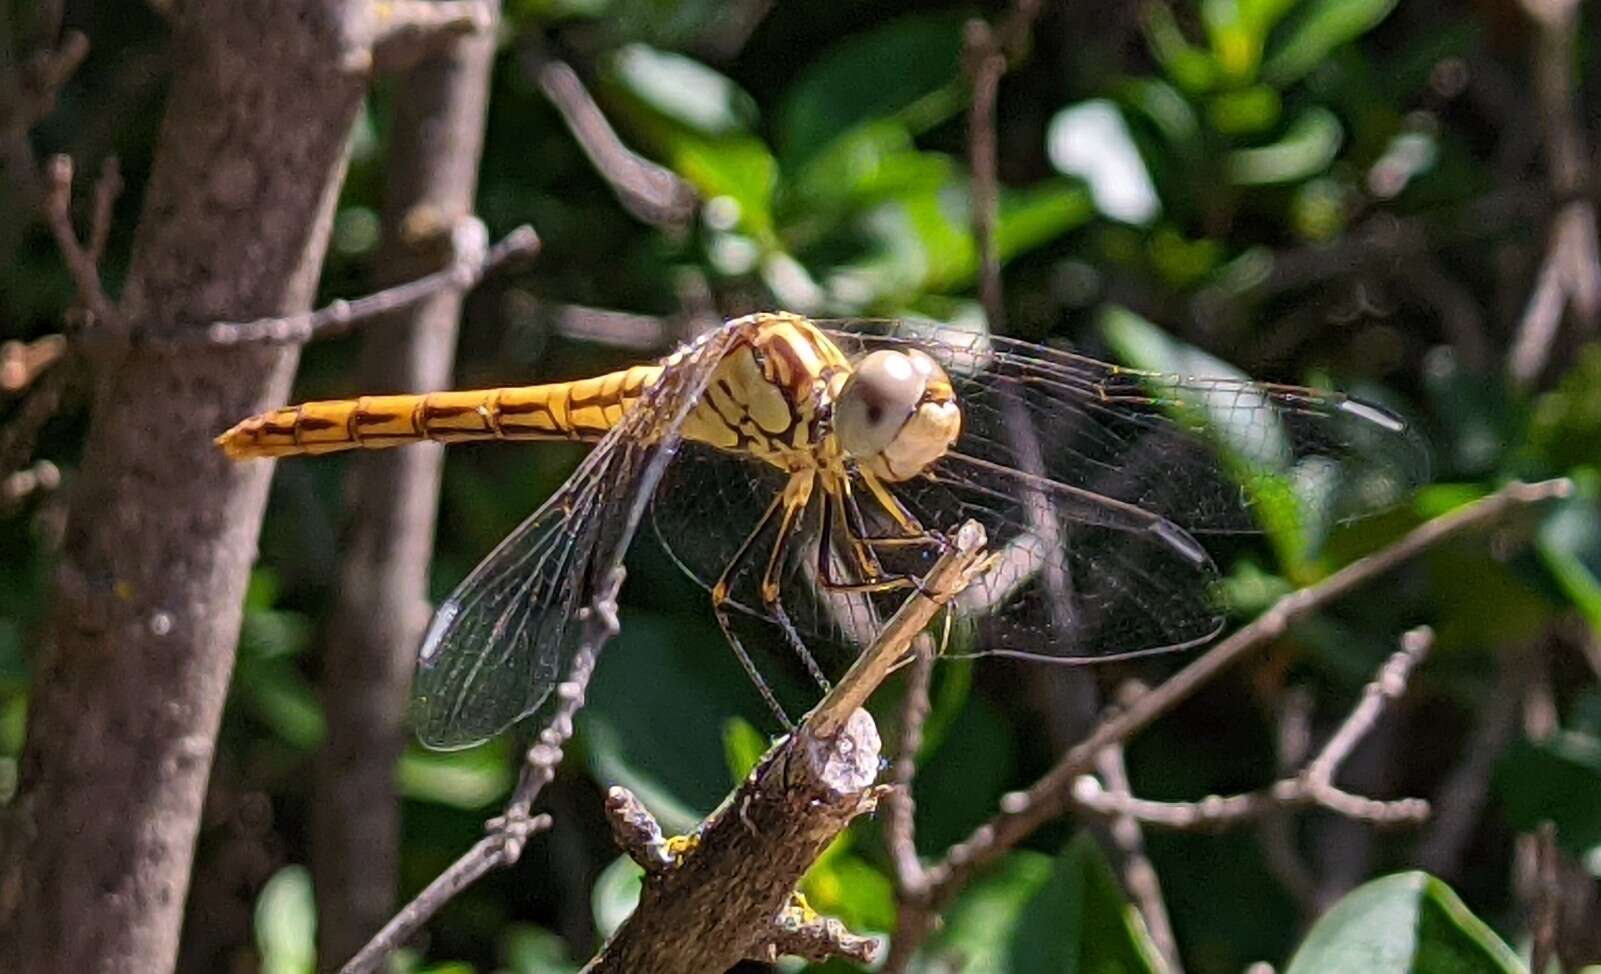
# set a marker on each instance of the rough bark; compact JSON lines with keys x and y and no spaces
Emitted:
{"x":162,"y":531}
{"x":392,"y":498}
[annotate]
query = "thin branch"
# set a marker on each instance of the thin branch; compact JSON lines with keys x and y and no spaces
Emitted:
{"x":471,"y":265}
{"x":81,"y":261}
{"x":1139,"y":874}
{"x":1314,"y":785}
{"x":985,"y":63}
{"x":652,"y":193}
{"x":727,"y":893}
{"x":1277,"y":833}
{"x":900,"y":826}
{"x":1546,"y":910}
{"x":409,"y":31}
{"x":1051,"y":794}
{"x":510,"y":831}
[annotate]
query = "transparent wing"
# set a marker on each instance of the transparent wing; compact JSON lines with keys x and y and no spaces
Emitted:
{"x":1208,"y":454}
{"x":503,"y":639}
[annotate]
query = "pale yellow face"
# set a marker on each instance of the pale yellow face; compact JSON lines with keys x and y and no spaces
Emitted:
{"x":897,"y":413}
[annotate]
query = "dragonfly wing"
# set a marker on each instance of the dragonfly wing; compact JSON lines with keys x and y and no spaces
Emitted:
{"x":1201,"y":452}
{"x":500,"y":643}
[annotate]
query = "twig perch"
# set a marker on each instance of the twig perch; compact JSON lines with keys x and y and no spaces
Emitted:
{"x":727,"y":893}
{"x":510,"y":831}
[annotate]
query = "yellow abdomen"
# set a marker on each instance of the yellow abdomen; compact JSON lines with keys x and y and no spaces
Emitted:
{"x":582,"y":410}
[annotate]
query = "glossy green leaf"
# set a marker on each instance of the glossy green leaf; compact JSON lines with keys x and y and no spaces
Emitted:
{"x":736,"y":169}
{"x":286,"y":923}
{"x":1306,"y":150}
{"x":1318,"y":27}
{"x":1407,"y":923}
{"x":1189,"y":67}
{"x":1062,"y":915}
{"x":907,"y":70}
{"x":616,"y":893}
{"x":1244,"y":111}
{"x":527,"y":949}
{"x":469,"y":779}
{"x":682,"y":89}
{"x":743,"y":746}
{"x":1557,"y":780}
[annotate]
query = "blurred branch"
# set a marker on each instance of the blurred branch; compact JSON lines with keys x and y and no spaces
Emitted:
{"x":984,"y":62}
{"x":1460,"y":799}
{"x":82,"y":261}
{"x":901,"y":807}
{"x":1570,"y":275}
{"x":510,"y":831}
{"x":710,"y":900}
{"x":1139,"y":875}
{"x":470,"y":264}
{"x":1277,"y":833}
{"x":18,"y":435}
{"x":1546,"y":908}
{"x":40,"y":478}
{"x":21,"y":363}
{"x":435,"y":142}
{"x":27,"y":94}
{"x":1313,"y":785}
{"x":409,"y":31}
{"x":1023,"y":812}
{"x":652,"y":193}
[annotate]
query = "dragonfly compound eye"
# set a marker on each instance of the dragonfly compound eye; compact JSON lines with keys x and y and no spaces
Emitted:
{"x":896,"y":414}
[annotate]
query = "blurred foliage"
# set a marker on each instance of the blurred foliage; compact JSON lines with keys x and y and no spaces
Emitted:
{"x":1187,"y":185}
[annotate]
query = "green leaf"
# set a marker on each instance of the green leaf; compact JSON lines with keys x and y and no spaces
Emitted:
{"x":743,"y":746}
{"x":616,"y":893}
{"x":468,"y":779}
{"x":1306,"y":150}
{"x":1038,"y":914}
{"x":682,"y":89}
{"x":1408,"y":923}
{"x":1091,"y":141}
{"x":286,"y":923}
{"x":527,"y":949}
{"x":1245,"y":111}
{"x":907,"y":70}
{"x":1188,"y":66}
{"x":736,"y":169}
{"x":1570,"y":546}
{"x":1557,"y":779}
{"x":1319,"y":27}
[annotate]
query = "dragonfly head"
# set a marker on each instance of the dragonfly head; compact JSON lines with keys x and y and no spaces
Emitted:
{"x":897,"y":413}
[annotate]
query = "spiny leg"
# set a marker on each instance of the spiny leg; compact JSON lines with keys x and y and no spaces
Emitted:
{"x":794,"y":501}
{"x":873,"y":577}
{"x":720,"y":600}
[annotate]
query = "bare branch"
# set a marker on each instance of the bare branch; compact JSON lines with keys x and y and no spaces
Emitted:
{"x":510,"y":831}
{"x":1547,"y":900}
{"x":1312,"y":786}
{"x":652,"y":193}
{"x":985,"y":63}
{"x":900,"y":827}
{"x":409,"y":31}
{"x":1048,"y":797}
{"x":81,"y":262}
{"x":471,"y":265}
{"x":1139,"y":875}
{"x":728,"y":892}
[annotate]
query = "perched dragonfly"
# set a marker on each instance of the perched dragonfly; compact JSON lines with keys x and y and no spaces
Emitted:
{"x":803,"y":472}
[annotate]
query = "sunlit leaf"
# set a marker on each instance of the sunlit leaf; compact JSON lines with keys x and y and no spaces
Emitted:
{"x":1091,"y":141}
{"x":1244,"y":111}
{"x":1306,"y":150}
{"x":1408,"y":923}
{"x":683,"y":89}
{"x":743,"y":746}
{"x":1317,"y":28}
{"x":468,"y":779}
{"x":1190,"y":67}
{"x":616,"y":893}
{"x":286,"y":923}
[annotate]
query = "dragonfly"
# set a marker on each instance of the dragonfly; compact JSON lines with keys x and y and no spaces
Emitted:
{"x":806,"y":474}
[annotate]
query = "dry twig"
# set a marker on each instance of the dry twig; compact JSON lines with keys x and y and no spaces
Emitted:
{"x":510,"y":831}
{"x":1313,"y":785}
{"x":653,"y":194}
{"x":1139,"y":874}
{"x":470,"y":265}
{"x":82,"y":261}
{"x":1022,"y":812}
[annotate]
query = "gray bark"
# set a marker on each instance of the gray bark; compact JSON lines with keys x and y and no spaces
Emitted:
{"x":162,"y":531}
{"x":392,"y":500}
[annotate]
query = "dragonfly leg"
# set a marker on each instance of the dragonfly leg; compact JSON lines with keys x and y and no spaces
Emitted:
{"x":873,"y":577}
{"x":794,"y":501}
{"x":720,"y":600}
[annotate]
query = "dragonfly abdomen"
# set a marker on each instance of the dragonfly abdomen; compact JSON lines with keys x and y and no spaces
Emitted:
{"x":582,"y":410}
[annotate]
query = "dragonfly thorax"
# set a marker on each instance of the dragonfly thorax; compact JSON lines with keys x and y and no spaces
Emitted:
{"x":896,"y":414}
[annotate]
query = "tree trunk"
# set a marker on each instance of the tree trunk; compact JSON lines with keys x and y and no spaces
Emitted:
{"x":162,"y":531}
{"x":393,"y":496}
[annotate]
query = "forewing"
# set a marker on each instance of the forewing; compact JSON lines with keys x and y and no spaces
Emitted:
{"x":1204,"y":453}
{"x":503,"y":639}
